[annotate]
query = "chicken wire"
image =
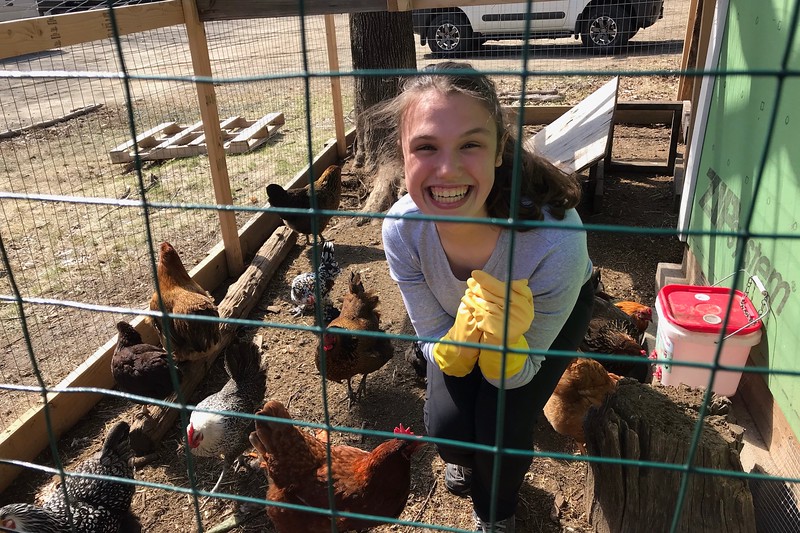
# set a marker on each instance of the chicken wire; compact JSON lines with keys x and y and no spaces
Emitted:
{"x":55,"y":237}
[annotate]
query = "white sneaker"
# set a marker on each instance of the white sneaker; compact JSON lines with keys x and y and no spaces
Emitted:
{"x":502,"y":526}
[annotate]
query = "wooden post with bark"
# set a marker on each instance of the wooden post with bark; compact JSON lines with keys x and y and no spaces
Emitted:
{"x":242,"y":296}
{"x":640,"y":422}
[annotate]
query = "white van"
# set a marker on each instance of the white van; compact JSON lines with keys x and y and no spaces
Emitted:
{"x":603,"y":25}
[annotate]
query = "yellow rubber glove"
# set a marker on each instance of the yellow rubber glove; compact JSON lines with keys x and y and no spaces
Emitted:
{"x":454,"y":360}
{"x":485,"y":299}
{"x":490,"y":361}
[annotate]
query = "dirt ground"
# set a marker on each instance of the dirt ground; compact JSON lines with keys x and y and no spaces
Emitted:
{"x":552,"y":497}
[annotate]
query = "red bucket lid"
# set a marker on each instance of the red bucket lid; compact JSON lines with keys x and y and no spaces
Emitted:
{"x":702,"y":308}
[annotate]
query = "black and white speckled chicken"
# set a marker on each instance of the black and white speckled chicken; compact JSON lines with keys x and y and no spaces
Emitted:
{"x":96,"y":505}
{"x":213,"y":434}
{"x":28,"y":517}
{"x":303,"y":292}
{"x":33,"y":519}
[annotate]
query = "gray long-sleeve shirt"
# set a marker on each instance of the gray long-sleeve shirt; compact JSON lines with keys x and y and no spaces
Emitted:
{"x":555,"y":261}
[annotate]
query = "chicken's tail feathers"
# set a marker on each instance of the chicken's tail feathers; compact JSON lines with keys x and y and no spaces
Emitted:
{"x":118,"y":441}
{"x":328,"y":259}
{"x":275,"y":409}
{"x":369,"y":299}
{"x":356,"y":286}
{"x":244,"y":365}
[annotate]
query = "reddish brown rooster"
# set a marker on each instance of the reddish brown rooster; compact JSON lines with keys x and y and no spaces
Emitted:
{"x":585,"y":383}
{"x":349,"y":355}
{"x":375,"y":483}
{"x":189,"y":339}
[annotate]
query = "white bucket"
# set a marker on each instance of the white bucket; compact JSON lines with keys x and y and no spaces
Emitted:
{"x":689,"y":324}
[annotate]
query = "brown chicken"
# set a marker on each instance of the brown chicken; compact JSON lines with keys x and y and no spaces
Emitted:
{"x":613,"y":332}
{"x":189,"y":339}
{"x":641,"y":315}
{"x":140,"y":368}
{"x":328,"y":192}
{"x":375,"y":483}
{"x":585,"y":383}
{"x":349,"y":355}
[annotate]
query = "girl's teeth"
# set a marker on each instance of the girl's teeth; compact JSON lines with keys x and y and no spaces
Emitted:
{"x":449,"y":195}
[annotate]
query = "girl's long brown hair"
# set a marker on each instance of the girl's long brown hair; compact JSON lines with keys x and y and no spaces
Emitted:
{"x":542,"y":184}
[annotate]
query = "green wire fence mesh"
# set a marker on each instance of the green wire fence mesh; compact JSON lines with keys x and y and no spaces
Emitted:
{"x":80,"y":228}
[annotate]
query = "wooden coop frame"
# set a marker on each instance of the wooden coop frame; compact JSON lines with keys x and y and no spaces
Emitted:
{"x":27,"y":436}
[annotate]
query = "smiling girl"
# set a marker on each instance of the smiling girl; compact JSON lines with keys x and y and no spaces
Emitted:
{"x":457,"y":154}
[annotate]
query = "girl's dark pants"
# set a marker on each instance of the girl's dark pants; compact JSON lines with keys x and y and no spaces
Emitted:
{"x":465,"y":409}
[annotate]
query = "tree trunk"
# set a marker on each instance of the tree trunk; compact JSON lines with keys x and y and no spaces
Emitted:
{"x":382,"y":41}
{"x":656,"y":424}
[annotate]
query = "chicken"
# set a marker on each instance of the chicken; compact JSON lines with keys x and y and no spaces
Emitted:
{"x":33,"y":519}
{"x":189,"y":339}
{"x":613,"y":338}
{"x":328,"y":192}
{"x":416,"y":359}
{"x":375,"y":483}
{"x":140,"y":368}
{"x":215,"y":435}
{"x":613,"y":332}
{"x":642,"y":315}
{"x":585,"y":383}
{"x":303,"y":292}
{"x":28,"y":517}
{"x":349,"y":355}
{"x":96,"y":505}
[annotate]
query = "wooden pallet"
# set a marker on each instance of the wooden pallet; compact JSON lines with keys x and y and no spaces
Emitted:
{"x":170,"y":140}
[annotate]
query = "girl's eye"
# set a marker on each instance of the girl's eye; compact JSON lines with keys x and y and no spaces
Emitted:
{"x":424,"y":147}
{"x":471,"y":145}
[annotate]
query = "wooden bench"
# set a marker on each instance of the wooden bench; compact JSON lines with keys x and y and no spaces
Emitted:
{"x":579,"y":139}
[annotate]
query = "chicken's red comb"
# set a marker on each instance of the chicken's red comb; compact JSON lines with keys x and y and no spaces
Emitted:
{"x":401,"y":429}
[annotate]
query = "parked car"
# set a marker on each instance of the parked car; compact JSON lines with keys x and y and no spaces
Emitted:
{"x":603,"y":25}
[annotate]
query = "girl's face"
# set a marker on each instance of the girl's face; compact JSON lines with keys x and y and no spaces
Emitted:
{"x":449,"y":145}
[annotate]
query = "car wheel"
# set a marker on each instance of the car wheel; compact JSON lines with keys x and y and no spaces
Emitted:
{"x":450,"y":34}
{"x":606,"y":29}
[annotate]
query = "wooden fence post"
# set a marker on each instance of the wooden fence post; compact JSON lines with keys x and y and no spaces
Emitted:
{"x":336,"y":86}
{"x":207,"y":99}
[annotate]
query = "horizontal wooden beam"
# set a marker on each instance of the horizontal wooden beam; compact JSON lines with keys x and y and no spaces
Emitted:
{"x":29,"y":36}
{"x":246,"y":9}
{"x":27,"y":436}
{"x":635,"y":113}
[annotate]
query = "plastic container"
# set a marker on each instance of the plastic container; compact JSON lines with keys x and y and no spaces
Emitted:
{"x":689,"y":324}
